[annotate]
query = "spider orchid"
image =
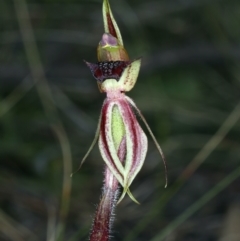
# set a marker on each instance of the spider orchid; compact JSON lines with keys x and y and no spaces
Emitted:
{"x":122,"y":142}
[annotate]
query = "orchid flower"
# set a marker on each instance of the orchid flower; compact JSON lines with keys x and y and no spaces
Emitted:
{"x":122,"y":142}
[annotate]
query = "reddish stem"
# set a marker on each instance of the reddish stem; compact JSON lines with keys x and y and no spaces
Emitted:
{"x":104,"y":215}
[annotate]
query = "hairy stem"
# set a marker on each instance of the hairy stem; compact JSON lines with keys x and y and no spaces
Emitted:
{"x":105,"y":211}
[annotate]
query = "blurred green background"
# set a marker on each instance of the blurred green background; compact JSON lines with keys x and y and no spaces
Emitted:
{"x":188,"y":90}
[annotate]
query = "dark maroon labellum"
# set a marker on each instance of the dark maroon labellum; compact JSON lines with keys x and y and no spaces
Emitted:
{"x":107,"y":70}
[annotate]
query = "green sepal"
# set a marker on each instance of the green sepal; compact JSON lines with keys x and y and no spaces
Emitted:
{"x":110,"y":25}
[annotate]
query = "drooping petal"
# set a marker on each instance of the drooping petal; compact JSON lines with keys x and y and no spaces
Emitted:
{"x":136,"y":142}
{"x":106,"y":143}
{"x":91,"y":147}
{"x":122,"y":142}
{"x":141,"y":145}
{"x":131,"y":102}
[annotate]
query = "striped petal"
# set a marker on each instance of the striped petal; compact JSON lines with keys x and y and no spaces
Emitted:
{"x":122,"y":143}
{"x":136,"y":146}
{"x":106,"y":143}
